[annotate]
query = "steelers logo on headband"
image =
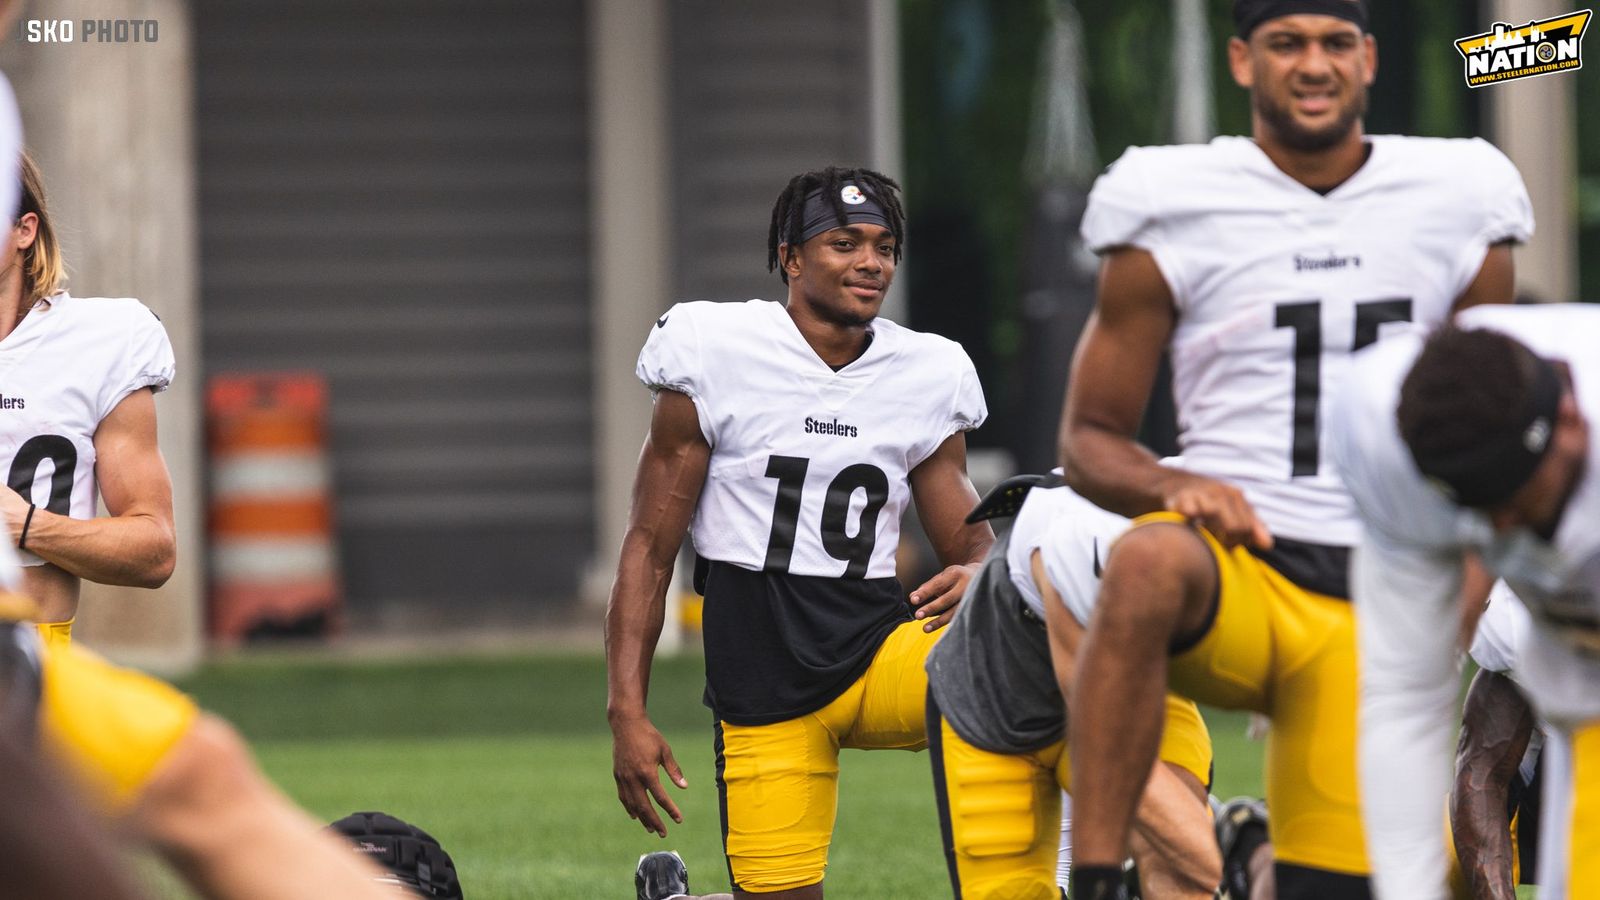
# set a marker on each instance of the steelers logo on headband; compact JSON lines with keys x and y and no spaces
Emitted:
{"x":852,"y":207}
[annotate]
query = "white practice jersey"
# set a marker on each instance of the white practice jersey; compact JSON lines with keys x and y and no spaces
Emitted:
{"x":1407,"y":572}
{"x":809,"y":466}
{"x":1073,"y":536}
{"x":1498,"y":646}
{"x":64,"y":368}
{"x":1501,"y":630}
{"x":1276,"y":285}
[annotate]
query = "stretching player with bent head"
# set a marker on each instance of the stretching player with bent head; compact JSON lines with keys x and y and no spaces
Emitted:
{"x":793,"y":436}
{"x":996,"y":718}
{"x":1261,"y":264}
{"x":1477,"y":442}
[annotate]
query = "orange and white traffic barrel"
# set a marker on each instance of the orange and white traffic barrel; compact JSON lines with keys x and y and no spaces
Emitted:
{"x":274,"y":561}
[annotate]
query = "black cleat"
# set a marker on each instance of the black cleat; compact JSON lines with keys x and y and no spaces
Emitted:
{"x":1241,"y":828}
{"x":660,"y":875}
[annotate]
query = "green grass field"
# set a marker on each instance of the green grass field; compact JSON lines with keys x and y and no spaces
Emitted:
{"x":508,"y":762}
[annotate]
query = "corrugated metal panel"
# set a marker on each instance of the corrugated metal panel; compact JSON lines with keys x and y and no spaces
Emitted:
{"x":761,"y":92}
{"x":396,"y":195}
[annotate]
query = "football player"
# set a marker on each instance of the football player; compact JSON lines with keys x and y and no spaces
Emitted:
{"x":996,"y":718}
{"x":793,"y":435}
{"x":77,"y":421}
{"x":1260,"y":264}
{"x":181,"y":780}
{"x":1476,"y":442}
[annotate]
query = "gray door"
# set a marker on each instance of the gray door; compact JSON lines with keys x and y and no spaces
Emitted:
{"x":760,"y":93}
{"x":395,"y":195}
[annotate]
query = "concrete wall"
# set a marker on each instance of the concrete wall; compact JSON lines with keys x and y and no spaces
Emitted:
{"x":111,"y":127}
{"x":1532,"y":121}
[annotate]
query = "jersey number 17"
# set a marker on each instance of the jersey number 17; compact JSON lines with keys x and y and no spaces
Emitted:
{"x":1305,"y":318}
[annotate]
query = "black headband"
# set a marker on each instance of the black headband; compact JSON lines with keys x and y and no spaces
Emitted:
{"x":1490,"y":472}
{"x":1249,"y":14}
{"x":859,"y":207}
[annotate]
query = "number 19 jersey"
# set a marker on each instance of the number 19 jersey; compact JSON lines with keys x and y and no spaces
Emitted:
{"x":808,"y":478}
{"x":1275,"y":285}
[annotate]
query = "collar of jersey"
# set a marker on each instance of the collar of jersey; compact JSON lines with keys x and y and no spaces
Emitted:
{"x":873,"y":350}
{"x":1260,"y":159}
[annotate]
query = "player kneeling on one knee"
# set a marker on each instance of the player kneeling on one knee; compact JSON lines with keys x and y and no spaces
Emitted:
{"x":996,"y":717}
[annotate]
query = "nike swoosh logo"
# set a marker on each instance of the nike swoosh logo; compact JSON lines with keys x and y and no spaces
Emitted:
{"x":661,"y":321}
{"x":1095,"y":545}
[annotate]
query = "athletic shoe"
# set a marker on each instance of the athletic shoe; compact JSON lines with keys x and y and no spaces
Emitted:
{"x":660,"y":875}
{"x":1241,"y":827}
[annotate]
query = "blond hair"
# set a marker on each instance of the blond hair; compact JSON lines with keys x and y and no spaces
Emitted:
{"x":43,"y":271}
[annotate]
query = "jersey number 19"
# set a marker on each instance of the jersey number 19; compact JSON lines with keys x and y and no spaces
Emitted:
{"x":836,"y":540}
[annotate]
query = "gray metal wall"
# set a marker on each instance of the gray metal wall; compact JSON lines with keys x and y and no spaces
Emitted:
{"x":396,"y":195}
{"x":760,"y":93}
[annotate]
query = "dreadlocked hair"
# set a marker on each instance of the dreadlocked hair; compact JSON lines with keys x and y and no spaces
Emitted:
{"x":1464,"y":385}
{"x":788,"y":214}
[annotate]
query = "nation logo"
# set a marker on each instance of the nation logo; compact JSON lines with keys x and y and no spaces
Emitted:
{"x":1541,"y":47}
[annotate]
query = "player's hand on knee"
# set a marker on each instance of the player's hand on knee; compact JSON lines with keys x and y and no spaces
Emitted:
{"x":637,"y":751}
{"x":934,"y":601}
{"x":1222,"y":509}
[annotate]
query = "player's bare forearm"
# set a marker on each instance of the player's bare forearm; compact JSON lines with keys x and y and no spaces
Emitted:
{"x":134,"y":550}
{"x":1113,"y":370}
{"x":1173,"y":825}
{"x":1113,"y":470}
{"x":634,"y":617}
{"x":1496,"y":726}
{"x":1064,"y":631}
{"x":672,"y":470}
{"x":136,"y":544}
{"x":944,"y":496}
{"x":212,"y":814}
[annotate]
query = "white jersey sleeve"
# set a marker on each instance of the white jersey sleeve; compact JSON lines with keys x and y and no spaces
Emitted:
{"x":672,"y":360}
{"x":1072,"y":536}
{"x":966,"y":410}
{"x":1121,"y":213}
{"x":1501,"y":630}
{"x":1503,"y":213}
{"x":147,"y":360}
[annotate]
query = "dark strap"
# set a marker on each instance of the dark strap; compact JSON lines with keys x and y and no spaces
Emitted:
{"x":1003,"y":501}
